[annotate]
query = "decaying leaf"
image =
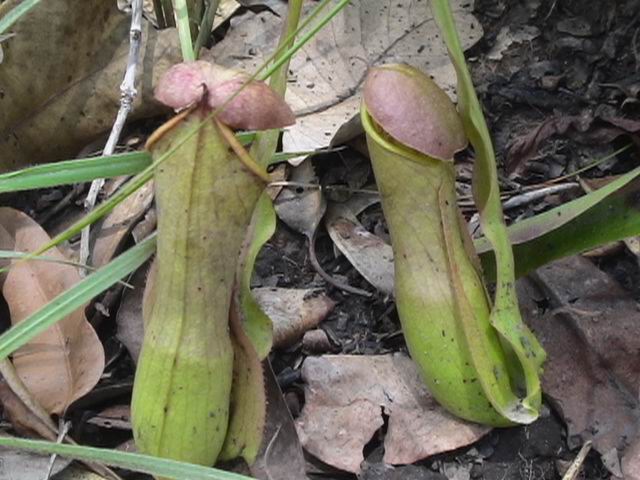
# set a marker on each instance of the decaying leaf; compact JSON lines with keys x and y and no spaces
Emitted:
{"x":114,"y":416}
{"x":302,"y":208}
{"x":66,"y":361}
{"x":83,"y":49}
{"x":23,"y":420}
{"x":329,"y":70}
{"x":129,"y":318}
{"x":280,"y":456}
{"x":631,"y":461}
{"x":19,"y":465}
{"x":591,"y":331}
{"x":346,"y":397}
{"x":590,"y":128}
{"x":368,"y":253}
{"x":293,"y":311}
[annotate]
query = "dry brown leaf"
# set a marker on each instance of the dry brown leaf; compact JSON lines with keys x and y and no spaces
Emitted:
{"x":116,"y":416}
{"x":23,"y":420}
{"x":117,"y":225}
{"x":66,"y":361}
{"x":20,"y":465}
{"x":368,"y":253}
{"x":631,"y":461}
{"x":346,"y":396}
{"x":302,"y":208}
{"x":80,"y":50}
{"x":292,"y":311}
{"x":329,"y":70}
{"x":280,"y":456}
{"x":129,"y":318}
{"x":591,"y":333}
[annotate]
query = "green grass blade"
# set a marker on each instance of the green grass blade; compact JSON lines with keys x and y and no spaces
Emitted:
{"x":264,"y":148}
{"x":207,"y":24}
{"x":86,"y":169}
{"x":258,"y":325}
{"x":287,"y":54}
{"x":74,"y":171}
{"x":101,"y":210}
{"x":605,"y":215}
{"x":505,"y":314}
{"x":12,"y":254}
{"x":76,"y":297}
{"x":159,"y":467}
{"x":184,"y":30}
{"x":14,"y":15}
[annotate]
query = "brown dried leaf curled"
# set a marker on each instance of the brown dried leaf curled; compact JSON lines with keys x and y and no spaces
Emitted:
{"x":66,"y":361}
{"x":255,"y":107}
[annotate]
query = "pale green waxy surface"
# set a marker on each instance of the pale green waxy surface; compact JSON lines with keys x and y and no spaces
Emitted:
{"x":426,"y":299}
{"x":205,"y":198}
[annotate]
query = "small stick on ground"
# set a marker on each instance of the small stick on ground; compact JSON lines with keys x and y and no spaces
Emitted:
{"x":528,"y":197}
{"x":128,"y":93}
{"x":575,"y":467}
{"x":64,"y":429}
{"x":328,"y":278}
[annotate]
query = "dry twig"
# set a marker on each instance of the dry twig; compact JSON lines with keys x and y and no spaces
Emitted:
{"x":127,"y":95}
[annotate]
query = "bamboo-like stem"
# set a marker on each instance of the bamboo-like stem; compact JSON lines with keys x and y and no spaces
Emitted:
{"x":184,"y":30}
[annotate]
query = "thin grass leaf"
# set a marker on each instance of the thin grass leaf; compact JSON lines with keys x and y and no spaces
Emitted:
{"x":76,"y":297}
{"x":74,"y":171}
{"x":605,"y":215}
{"x":184,"y":30}
{"x":101,"y":210}
{"x":14,"y":15}
{"x":85,"y":169}
{"x":159,"y":467}
{"x":206,"y":25}
{"x":11,"y":254}
{"x":280,"y":157}
{"x":159,"y":11}
{"x":258,"y":325}
{"x":287,"y":54}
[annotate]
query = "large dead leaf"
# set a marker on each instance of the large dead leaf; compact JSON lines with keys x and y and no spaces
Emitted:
{"x":66,"y":361}
{"x":329,"y":70}
{"x":346,"y":397}
{"x":591,"y":332}
{"x":61,"y":76}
